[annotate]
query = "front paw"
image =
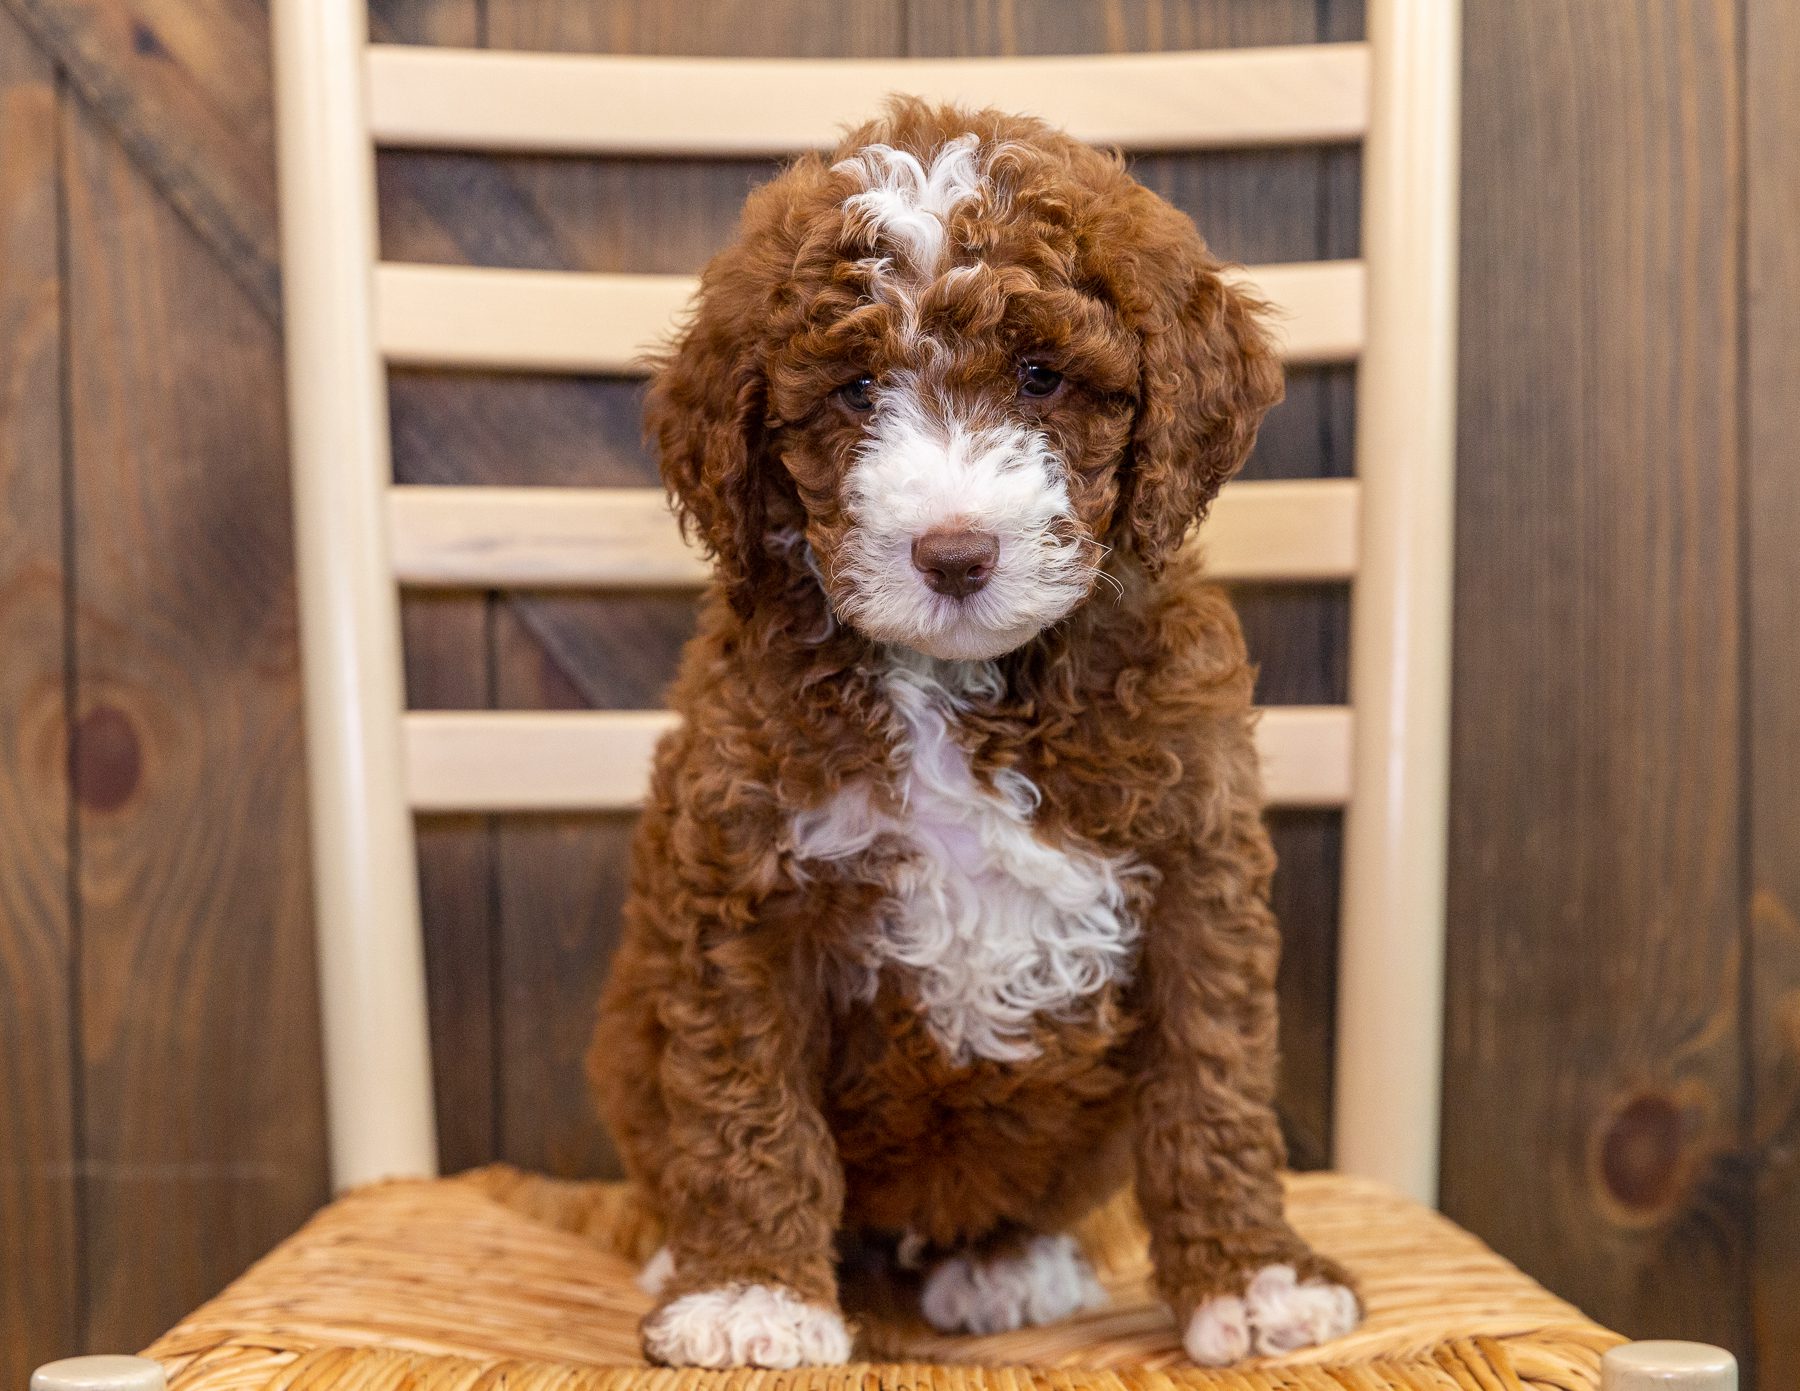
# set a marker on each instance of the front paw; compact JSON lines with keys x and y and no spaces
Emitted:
{"x":1277,"y":1312}
{"x":1046,"y":1279}
{"x":745,"y":1326}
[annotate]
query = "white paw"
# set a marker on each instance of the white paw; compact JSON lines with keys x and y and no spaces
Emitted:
{"x":1286,"y":1314}
{"x":745,"y":1326}
{"x":1277,"y":1313}
{"x":657,"y":1272}
{"x":1219,"y":1332}
{"x":1049,"y":1279}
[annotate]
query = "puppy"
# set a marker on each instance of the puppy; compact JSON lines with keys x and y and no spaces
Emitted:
{"x":949,"y":906}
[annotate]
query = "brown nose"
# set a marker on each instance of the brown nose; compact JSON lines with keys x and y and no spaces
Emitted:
{"x":956,"y":561}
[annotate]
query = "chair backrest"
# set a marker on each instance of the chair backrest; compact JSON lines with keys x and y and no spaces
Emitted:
{"x":360,"y":537}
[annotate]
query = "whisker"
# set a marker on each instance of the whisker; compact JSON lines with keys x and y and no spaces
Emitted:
{"x":1096,"y":573}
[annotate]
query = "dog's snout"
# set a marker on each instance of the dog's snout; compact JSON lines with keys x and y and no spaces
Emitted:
{"x":956,"y":561}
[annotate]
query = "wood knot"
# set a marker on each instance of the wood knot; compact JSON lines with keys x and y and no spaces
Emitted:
{"x":105,"y":759}
{"x":1641,"y":1159}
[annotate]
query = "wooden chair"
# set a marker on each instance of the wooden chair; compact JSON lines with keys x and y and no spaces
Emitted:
{"x":498,"y":1278}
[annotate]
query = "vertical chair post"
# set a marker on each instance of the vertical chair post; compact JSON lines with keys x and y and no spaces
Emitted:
{"x":1391,"y":977}
{"x":371,"y":962}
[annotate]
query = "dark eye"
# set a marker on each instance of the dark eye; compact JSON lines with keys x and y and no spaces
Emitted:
{"x":1038,"y":381}
{"x":858,"y":395}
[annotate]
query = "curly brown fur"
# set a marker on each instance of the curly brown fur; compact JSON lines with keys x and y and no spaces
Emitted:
{"x":770,"y":1075}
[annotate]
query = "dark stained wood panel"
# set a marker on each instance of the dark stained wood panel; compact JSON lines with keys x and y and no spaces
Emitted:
{"x":561,"y":887}
{"x":1255,"y":206}
{"x":40,"y":1256}
{"x":186,"y":90}
{"x":730,"y":28}
{"x":1772,"y":104}
{"x":1594,"y":1088}
{"x":453,"y":23}
{"x":202,"y":1118}
{"x":445,"y":639}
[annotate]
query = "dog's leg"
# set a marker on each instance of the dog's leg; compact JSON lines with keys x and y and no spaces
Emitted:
{"x":1026,"y":1278}
{"x":742,"y":1164}
{"x":1209,"y":1151}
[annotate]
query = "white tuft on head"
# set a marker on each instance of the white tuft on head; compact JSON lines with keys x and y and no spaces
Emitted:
{"x":1048,"y":1280}
{"x":910,"y":204}
{"x":745,"y":1326}
{"x":917,"y":471}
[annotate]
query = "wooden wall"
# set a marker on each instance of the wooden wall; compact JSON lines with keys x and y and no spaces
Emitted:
{"x":1598,"y":1072}
{"x":1623,"y":1092}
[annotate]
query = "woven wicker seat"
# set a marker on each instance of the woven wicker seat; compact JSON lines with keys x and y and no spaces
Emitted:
{"x":502,"y":1279}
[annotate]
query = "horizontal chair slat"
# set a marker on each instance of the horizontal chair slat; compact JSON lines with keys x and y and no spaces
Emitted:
{"x":747,"y":107}
{"x":625,"y":538}
{"x":592,"y":760}
{"x":569,"y":321}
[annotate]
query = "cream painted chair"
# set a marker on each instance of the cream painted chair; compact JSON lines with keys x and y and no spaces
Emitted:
{"x":498,"y":1278}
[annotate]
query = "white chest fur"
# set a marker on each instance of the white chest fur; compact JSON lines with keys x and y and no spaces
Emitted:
{"x":992,"y":924}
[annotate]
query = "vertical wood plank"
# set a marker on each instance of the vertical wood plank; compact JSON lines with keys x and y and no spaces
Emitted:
{"x":185,"y":89}
{"x":199,"y":1048}
{"x":1251,"y":206}
{"x":1772,"y":105}
{"x":1594,"y":1082}
{"x":39,"y":1260}
{"x":561,"y":887}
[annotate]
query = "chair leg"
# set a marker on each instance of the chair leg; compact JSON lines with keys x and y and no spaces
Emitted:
{"x":1668,"y":1366}
{"x":100,"y":1374}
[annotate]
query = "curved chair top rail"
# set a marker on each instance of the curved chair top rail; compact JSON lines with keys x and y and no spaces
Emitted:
{"x":747,"y":107}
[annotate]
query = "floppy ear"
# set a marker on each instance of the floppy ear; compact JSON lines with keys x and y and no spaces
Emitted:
{"x":1208,"y":375}
{"x":704,"y":412}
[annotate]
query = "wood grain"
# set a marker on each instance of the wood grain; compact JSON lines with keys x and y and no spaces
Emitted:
{"x":1772,"y":483}
{"x":185,"y":89}
{"x":561,"y":888}
{"x":726,"y":28}
{"x":201,"y":1108}
{"x":1262,"y":206}
{"x":39,"y":1256}
{"x":1594,"y":1076}
{"x":456,"y":23}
